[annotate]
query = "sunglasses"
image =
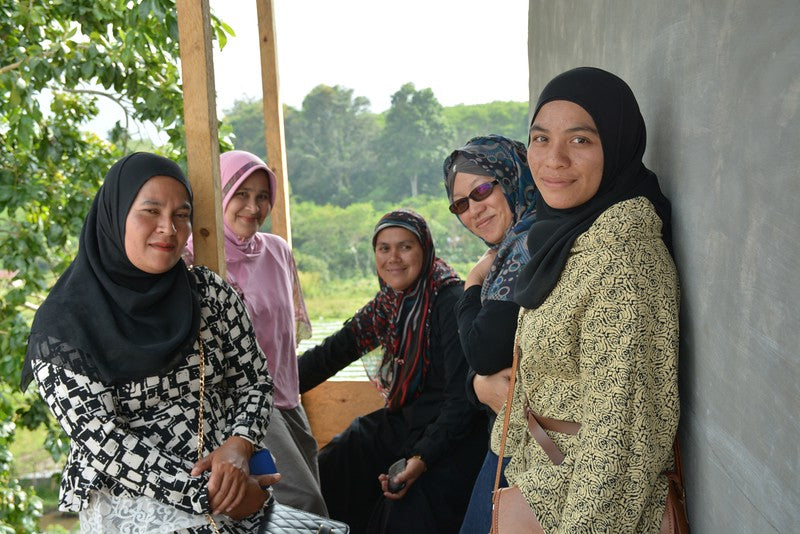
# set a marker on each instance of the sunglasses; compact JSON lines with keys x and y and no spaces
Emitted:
{"x":481,"y":192}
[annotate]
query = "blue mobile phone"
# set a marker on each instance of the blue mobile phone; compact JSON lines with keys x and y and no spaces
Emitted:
{"x":262,"y":463}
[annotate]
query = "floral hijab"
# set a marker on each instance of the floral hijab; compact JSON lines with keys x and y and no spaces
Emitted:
{"x":505,"y":160}
{"x":399,"y":321}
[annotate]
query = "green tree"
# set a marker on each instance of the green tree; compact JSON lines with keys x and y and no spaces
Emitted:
{"x":58,"y":58}
{"x":509,"y":119}
{"x":347,"y":256}
{"x":246,"y":120}
{"x":337,"y":151}
{"x":414,"y":143}
{"x":329,"y":146}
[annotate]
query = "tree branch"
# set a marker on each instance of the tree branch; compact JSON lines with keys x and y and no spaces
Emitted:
{"x":11,"y":66}
{"x":111,"y":97}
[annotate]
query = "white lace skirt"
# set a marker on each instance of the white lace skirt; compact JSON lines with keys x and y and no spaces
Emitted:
{"x":133,"y":515}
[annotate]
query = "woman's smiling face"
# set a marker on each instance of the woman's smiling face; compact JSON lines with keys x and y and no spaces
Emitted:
{"x":565,"y":154}
{"x":398,"y":257}
{"x":249,"y":206}
{"x":489,"y":218}
{"x":158,"y":225}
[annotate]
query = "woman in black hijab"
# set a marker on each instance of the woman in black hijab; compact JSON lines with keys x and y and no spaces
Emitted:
{"x":117,"y":350}
{"x":598,"y":327}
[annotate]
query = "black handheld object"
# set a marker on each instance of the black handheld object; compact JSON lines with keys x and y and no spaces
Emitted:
{"x":395,"y":469}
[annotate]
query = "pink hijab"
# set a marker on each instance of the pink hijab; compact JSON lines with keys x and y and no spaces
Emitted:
{"x":263,"y":272}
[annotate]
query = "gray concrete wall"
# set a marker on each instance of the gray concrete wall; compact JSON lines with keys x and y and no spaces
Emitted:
{"x":719,"y":86}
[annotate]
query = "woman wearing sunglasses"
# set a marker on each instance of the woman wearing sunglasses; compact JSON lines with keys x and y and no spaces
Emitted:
{"x":491,"y":191}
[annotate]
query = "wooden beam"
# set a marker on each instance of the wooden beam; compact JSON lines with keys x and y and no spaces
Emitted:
{"x":332,"y":406}
{"x":273,"y":118}
{"x":202,"y":140}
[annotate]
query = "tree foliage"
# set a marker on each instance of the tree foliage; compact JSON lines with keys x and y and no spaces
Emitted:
{"x":58,"y":58}
{"x":246,"y":117}
{"x":502,"y":118}
{"x":328,"y":145}
{"x":414,"y":142}
{"x":338,"y":152}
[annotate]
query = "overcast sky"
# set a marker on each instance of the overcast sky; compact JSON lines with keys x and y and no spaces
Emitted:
{"x":466,"y":51}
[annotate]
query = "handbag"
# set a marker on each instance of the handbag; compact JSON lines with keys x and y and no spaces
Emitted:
{"x":282,"y":519}
{"x":513,"y":515}
{"x":279,"y":518}
{"x":675,"y":520}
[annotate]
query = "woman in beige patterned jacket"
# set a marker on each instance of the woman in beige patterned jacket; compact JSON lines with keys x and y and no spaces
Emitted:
{"x":595,"y":407}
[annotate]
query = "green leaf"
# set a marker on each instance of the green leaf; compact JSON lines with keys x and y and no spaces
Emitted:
{"x":87,"y":69}
{"x":25,"y":133}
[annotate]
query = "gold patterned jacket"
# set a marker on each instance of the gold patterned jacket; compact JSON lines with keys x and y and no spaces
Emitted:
{"x":602,"y":350}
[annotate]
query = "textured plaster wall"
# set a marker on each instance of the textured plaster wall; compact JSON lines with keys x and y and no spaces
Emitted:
{"x":719,"y":86}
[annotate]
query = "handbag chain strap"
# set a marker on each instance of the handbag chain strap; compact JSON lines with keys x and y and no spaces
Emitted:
{"x":200,"y":431}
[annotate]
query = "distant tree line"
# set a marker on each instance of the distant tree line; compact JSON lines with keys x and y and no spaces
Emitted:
{"x":339,"y":152}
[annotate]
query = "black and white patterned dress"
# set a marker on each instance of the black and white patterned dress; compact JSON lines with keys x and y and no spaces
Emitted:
{"x":136,"y":442}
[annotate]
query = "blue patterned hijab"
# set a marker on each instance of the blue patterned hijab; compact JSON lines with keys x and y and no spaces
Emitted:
{"x":505,"y":160}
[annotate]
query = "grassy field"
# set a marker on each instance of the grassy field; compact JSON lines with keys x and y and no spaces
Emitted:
{"x":335,"y":299}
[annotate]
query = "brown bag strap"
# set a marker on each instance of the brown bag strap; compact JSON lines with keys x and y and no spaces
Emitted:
{"x":678,"y":462}
{"x":507,"y":416}
{"x":541,"y":437}
{"x":537,"y":424}
{"x":676,"y":475}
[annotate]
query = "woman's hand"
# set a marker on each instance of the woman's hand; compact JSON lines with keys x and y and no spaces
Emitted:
{"x":228,"y":482}
{"x":492,"y":390}
{"x":415,"y":466}
{"x":254,"y":495}
{"x":479,"y":271}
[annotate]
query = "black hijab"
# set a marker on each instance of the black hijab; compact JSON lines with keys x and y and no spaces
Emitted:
{"x":104,"y":317}
{"x":611,"y":104}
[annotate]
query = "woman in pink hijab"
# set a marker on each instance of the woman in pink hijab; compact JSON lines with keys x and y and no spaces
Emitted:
{"x":261,"y":268}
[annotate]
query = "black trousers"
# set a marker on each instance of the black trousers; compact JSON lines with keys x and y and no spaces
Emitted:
{"x":350,"y":464}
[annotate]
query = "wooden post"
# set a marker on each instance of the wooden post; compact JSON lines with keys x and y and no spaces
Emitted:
{"x":202,"y":140}
{"x":273,"y":118}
